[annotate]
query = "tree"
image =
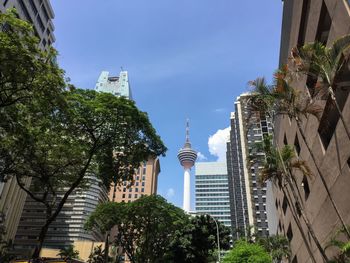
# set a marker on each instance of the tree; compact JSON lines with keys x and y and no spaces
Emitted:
{"x":244,"y":252}
{"x":68,"y":253}
{"x":197,"y":241}
{"x":97,"y":256}
{"x":145,"y":227}
{"x":5,"y":246}
{"x":60,"y":146}
{"x":277,"y":246}
{"x":342,"y":245}
{"x":317,"y":61}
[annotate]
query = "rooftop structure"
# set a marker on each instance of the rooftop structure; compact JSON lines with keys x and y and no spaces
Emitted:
{"x":118,"y":85}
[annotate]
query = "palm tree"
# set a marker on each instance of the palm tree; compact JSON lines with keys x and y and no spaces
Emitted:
{"x":277,"y":167}
{"x":68,"y":253}
{"x":296,"y":105}
{"x":277,"y":246}
{"x":326,"y":64}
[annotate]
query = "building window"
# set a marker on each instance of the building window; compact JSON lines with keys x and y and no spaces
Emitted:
{"x":290,"y":233}
{"x":349,"y":157}
{"x":143,"y":183}
{"x":295,"y":259}
{"x":284,"y":205}
{"x":143,"y":178}
{"x":285,"y":142}
{"x":142,"y":190}
{"x":136,"y":195}
{"x":144,"y":170}
{"x":303,"y":22}
{"x":298,"y":209}
{"x":124,"y":189}
{"x":297,"y":145}
{"x":136,"y":189}
{"x":305,"y":185}
{"x":324,"y":25}
{"x":123,"y":195}
{"x":137,"y":184}
{"x":129,"y":195}
{"x":330,"y":116}
{"x":5,"y":2}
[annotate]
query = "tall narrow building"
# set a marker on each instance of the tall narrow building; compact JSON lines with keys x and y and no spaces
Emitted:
{"x":187,"y":156}
{"x":323,"y":21}
{"x":247,"y":195}
{"x":212,"y":191}
{"x":40,"y":14}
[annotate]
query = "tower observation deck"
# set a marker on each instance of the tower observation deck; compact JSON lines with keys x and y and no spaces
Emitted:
{"x":187,"y":157}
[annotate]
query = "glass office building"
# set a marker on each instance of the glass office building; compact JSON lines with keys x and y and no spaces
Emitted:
{"x":211,"y":191}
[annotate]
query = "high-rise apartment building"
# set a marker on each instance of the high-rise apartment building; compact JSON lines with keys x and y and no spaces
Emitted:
{"x":247,"y":194}
{"x":37,"y":12}
{"x":212,"y":191}
{"x":324,"y":21}
{"x":40,"y":14}
{"x":118,"y":86}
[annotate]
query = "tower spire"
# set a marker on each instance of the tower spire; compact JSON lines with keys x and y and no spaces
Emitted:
{"x":187,"y":130}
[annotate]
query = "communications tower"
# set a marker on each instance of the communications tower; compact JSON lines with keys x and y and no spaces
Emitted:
{"x":187,"y":156}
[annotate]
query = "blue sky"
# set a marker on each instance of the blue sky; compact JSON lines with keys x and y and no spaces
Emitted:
{"x":185,"y":58}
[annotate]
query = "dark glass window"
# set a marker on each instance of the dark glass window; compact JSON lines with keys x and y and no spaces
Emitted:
{"x":284,"y":205}
{"x":46,"y":15}
{"x":306,"y":187}
{"x":303,"y":22}
{"x":297,"y":145}
{"x":324,"y":25}
{"x":295,"y":259}
{"x":5,"y":2}
{"x":33,"y":7}
{"x":290,"y":233}
{"x":285,"y":141}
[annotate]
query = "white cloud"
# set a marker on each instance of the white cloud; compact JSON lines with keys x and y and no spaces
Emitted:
{"x":217,"y":144}
{"x":201,"y":156}
{"x":170,"y":193}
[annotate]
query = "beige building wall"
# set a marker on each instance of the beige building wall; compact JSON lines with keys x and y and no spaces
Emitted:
{"x":304,"y":21}
{"x":145,"y":183}
{"x":85,"y":248}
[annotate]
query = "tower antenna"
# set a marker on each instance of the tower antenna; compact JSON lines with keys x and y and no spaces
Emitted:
{"x":187,"y":130}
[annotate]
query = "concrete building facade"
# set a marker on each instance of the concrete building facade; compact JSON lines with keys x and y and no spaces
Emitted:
{"x":211,"y":191}
{"x":248,"y":197}
{"x":323,"y":21}
{"x":40,"y":14}
{"x":37,"y":12}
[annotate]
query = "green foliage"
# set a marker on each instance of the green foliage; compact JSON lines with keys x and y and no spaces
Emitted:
{"x":145,"y":226}
{"x":57,"y":136}
{"x":68,"y":253}
{"x":277,"y":246}
{"x":244,"y":252}
{"x":26,"y":72}
{"x":97,"y":256}
{"x":197,"y":241}
{"x":342,"y":244}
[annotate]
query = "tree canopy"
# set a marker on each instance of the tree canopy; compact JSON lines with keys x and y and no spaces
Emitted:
{"x":244,"y":252}
{"x":56,"y":134}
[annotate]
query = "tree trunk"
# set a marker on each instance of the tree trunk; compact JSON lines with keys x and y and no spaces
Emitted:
{"x":106,"y":247}
{"x":296,"y":219}
{"x":52,"y":217}
{"x":322,"y":178}
{"x":306,"y":220}
{"x":290,"y":180}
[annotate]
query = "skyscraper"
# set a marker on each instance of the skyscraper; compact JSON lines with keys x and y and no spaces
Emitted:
{"x":118,"y":86}
{"x":187,"y":156}
{"x":212,"y":191}
{"x":247,"y":195}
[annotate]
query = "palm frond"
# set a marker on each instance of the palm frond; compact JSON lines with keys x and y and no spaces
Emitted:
{"x":302,"y":166}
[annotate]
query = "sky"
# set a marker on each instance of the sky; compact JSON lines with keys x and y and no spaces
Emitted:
{"x":185,"y":59}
